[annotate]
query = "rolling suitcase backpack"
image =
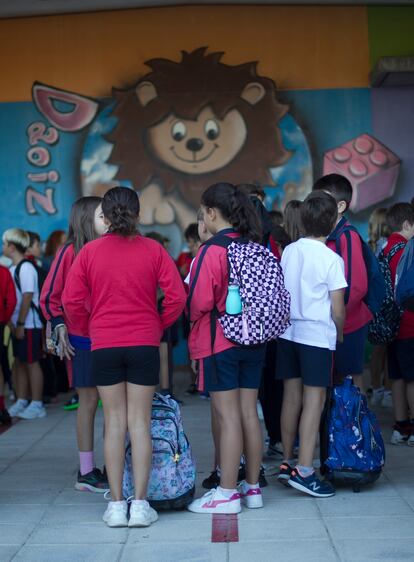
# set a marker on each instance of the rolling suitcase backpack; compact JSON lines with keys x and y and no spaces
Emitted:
{"x":172,"y":478}
{"x":351,"y":446}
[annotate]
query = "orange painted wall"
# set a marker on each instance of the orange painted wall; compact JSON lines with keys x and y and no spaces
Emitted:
{"x":300,"y":47}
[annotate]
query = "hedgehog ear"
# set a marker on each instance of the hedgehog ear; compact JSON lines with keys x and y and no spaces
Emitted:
{"x":146,"y":93}
{"x":253,"y":92}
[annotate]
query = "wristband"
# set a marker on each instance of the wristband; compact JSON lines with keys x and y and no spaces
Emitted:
{"x":20,"y":323}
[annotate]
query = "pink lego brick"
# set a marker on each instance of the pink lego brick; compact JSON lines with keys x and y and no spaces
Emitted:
{"x":370,"y":166}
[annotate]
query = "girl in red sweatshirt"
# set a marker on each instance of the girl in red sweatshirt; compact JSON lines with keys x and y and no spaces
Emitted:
{"x":112,"y":287}
{"x":85,"y":224}
{"x":7,"y":306}
{"x":232,"y":374}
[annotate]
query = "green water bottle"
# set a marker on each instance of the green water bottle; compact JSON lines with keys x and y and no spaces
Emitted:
{"x":233,"y":301}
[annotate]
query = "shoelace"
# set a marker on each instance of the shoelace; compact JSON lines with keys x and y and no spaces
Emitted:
{"x":107,"y":497}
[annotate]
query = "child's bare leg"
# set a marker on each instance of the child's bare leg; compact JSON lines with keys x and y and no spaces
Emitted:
{"x":399,"y":399}
{"x":36,"y":380}
{"x":313,"y":403}
{"x":291,"y":408}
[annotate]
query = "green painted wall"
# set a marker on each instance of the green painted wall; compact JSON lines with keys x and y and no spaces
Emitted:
{"x":390,"y":31}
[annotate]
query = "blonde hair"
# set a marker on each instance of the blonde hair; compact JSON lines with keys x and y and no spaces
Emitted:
{"x":377,"y":226}
{"x":18,"y":237}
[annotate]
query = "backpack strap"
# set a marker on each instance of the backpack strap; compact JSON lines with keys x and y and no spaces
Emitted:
{"x":394,"y":250}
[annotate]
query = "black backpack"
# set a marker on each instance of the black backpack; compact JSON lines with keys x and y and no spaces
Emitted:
{"x":41,"y":277}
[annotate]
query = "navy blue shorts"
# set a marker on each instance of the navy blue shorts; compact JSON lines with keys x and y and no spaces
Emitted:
{"x":30,"y":349}
{"x":401,"y":360}
{"x":237,"y":367}
{"x":350,"y":354}
{"x":297,"y":360}
{"x":82,"y":369}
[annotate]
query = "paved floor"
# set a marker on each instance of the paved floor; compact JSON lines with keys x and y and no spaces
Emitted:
{"x":42,"y":517}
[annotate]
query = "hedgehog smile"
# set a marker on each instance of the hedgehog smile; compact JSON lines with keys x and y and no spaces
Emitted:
{"x":195,"y":160}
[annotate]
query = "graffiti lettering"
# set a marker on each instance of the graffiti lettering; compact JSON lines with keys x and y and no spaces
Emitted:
{"x":39,"y":132}
{"x":43,"y":177}
{"x":38,"y":156}
{"x":65,"y":110}
{"x":44,"y":200}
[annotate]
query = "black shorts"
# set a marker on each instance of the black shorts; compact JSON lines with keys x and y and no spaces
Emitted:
{"x":137,"y":365}
{"x":401,"y":360}
{"x":30,"y":349}
{"x":237,"y":367}
{"x":350,"y":354}
{"x":297,"y":360}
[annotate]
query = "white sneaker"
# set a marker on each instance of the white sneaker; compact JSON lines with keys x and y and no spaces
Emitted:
{"x":398,"y":438}
{"x":141,"y":514}
{"x":387,"y":399}
{"x":17,"y":407}
{"x":377,"y":396}
{"x":410,"y":441}
{"x":251,"y":497}
{"x":260,"y":413}
{"x":32,"y":412}
{"x":116,"y":514}
{"x":215,"y":502}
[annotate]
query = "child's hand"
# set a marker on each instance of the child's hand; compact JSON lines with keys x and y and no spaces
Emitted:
{"x":19,"y":333}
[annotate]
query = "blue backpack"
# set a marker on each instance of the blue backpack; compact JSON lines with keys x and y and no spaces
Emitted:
{"x":404,"y":279}
{"x":354,"y":445}
{"x":376,"y":284}
{"x":173,"y":472}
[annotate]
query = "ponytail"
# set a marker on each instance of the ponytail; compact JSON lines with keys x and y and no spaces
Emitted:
{"x":235,"y":207}
{"x":120,"y":206}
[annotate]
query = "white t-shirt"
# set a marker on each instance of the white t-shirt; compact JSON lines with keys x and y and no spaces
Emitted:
{"x":311,"y":271}
{"x":29,"y":284}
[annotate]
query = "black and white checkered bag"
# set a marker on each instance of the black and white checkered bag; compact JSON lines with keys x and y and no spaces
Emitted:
{"x":266,"y":301}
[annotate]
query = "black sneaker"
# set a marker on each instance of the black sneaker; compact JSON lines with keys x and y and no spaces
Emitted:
{"x":311,"y":485}
{"x":72,"y":404}
{"x":285,"y":472}
{"x":212,"y":481}
{"x":5,"y":418}
{"x":242,"y":475}
{"x":192,"y":389}
{"x":92,"y":482}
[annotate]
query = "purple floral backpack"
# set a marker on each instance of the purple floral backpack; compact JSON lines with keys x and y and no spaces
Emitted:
{"x":173,"y":472}
{"x":265,"y":300}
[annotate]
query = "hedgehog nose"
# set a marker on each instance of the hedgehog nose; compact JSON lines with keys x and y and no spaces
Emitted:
{"x":194,"y":145}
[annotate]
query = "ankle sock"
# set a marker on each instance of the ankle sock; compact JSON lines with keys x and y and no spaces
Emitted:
{"x":22,"y":401}
{"x":226,"y":492}
{"x":252,"y":486}
{"x":86,"y":461}
{"x":140,"y":502}
{"x":305,"y":471}
{"x":2,"y":404}
{"x":37,"y":403}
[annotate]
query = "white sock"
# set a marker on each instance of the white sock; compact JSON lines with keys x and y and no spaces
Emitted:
{"x":226,"y":492}
{"x":252,"y":486}
{"x":22,"y":401}
{"x":140,"y":502}
{"x":37,"y":403}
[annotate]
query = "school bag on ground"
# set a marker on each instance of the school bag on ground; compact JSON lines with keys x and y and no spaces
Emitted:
{"x":173,"y":472}
{"x":404,"y":279}
{"x":376,"y":285}
{"x":265,"y":300}
{"x":351,"y":446}
{"x":384,"y":326}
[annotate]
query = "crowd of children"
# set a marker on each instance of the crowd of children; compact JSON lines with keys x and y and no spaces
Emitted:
{"x":111,"y":296}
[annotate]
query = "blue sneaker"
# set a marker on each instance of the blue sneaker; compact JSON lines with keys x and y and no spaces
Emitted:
{"x":311,"y":485}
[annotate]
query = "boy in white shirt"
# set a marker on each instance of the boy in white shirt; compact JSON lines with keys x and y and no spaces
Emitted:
{"x":26,"y":328}
{"x":314,"y":276}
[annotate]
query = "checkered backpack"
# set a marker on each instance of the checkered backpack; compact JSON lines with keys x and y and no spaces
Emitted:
{"x":266,"y":301}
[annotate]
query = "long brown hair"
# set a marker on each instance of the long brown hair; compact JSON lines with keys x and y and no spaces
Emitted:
{"x":292,"y":221}
{"x":81,"y":222}
{"x":54,"y":242}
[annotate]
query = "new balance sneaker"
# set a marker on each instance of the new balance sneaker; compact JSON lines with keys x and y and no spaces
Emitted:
{"x":250,"y":497}
{"x":274,"y":449}
{"x":94,"y":481}
{"x":18,"y":407}
{"x":141,"y":514}
{"x":401,"y":434}
{"x":116,"y":514}
{"x":311,"y":485}
{"x":211,"y":481}
{"x":215,"y":501}
{"x":5,"y":418}
{"x":33,"y":411}
{"x":285,"y":472}
{"x":72,"y":403}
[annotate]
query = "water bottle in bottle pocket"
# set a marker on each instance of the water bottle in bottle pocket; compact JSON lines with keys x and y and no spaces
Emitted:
{"x":233,"y":301}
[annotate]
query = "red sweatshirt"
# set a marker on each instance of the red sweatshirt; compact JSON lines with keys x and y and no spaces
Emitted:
{"x":51,"y":296}
{"x":210,"y":291}
{"x":357,"y":312}
{"x":112,"y":287}
{"x":7,"y":295}
{"x":406,"y":330}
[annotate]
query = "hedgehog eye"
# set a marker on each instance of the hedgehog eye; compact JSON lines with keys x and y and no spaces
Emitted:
{"x":211,"y":129}
{"x":178,"y":131}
